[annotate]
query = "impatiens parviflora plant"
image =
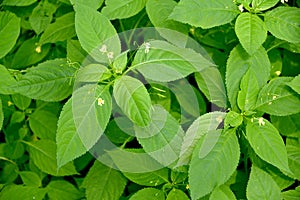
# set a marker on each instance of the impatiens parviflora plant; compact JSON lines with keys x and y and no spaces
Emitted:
{"x":64,"y":75}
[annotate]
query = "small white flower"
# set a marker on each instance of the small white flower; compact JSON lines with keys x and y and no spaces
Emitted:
{"x":38,"y":49}
{"x":261,"y":121}
{"x":241,"y":7}
{"x":147,"y":47}
{"x":110,"y":55}
{"x":100,"y":101}
{"x":103,"y":49}
{"x":283,"y":1}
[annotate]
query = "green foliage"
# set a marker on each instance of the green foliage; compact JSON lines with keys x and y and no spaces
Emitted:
{"x":149,"y":99}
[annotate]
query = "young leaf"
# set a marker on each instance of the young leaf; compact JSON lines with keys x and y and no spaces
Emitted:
{"x":43,"y":154}
{"x":18,"y":2}
{"x":247,"y":96}
{"x":251,"y":31}
{"x":176,"y":194}
{"x":284,"y":23}
{"x":1,"y":114}
{"x":262,"y":186}
{"x":92,"y":106}
{"x":260,"y":5}
{"x":6,"y":81}
{"x":9,"y":31}
{"x":158,"y":13}
{"x":148,"y":194}
{"x":295,"y":84}
{"x":275,"y":94}
{"x":120,"y":9}
{"x":49,"y":81}
{"x":103,"y":182}
{"x":13,"y":192}
{"x":69,"y":144}
{"x":92,"y":73}
{"x":154,"y":178}
{"x":21,"y":101}
{"x":211,"y":84}
{"x":213,"y":170}
{"x":62,"y":29}
{"x":95,"y":31}
{"x":42,"y":16}
{"x":162,"y":138}
{"x":29,"y":53}
{"x":60,"y":188}
{"x":223,"y":192}
{"x":43,"y":124}
{"x":30,"y":178}
{"x":233,"y":119}
{"x":267,"y":143}
{"x":201,"y":126}
{"x":165,"y":62}
{"x":205,"y":14}
{"x":238,"y":64}
{"x":133,"y":99}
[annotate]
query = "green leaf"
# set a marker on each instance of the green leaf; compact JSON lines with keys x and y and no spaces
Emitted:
{"x":62,"y":29}
{"x":120,"y":63}
{"x":260,"y":5}
{"x":287,"y":125}
{"x":247,"y":96}
{"x":262,"y":186}
{"x":148,"y":194}
{"x":95,"y":4}
{"x":251,"y":31}
{"x":213,"y":170}
{"x":9,"y":31}
{"x":239,"y":59}
{"x":133,"y":99}
{"x":18,"y":2}
{"x":177,"y":194}
{"x":92,"y":73}
{"x":291,"y":194}
{"x":205,"y":14}
{"x":69,"y":144}
{"x":212,"y":85}
{"x":201,"y":126}
{"x":6,"y":81}
{"x":75,"y":52}
{"x":295,"y":84}
{"x":275,"y":94}
{"x":61,"y":188}
{"x":1,"y":114}
{"x":49,"y":81}
{"x":43,"y":124}
{"x":120,"y":9}
{"x":154,"y":178}
{"x":43,"y":154}
{"x":233,"y":119}
{"x":158,"y":13}
{"x":284,"y":23}
{"x":267,"y":143}
{"x":293,"y":151}
{"x":223,"y":192}
{"x":29,"y":53}
{"x":162,"y":138}
{"x":30,"y":178}
{"x":165,"y":62}
{"x":21,"y":101}
{"x":17,"y":117}
{"x":120,"y":130}
{"x":13,"y":192}
{"x":41,"y":16}
{"x":95,"y":31}
{"x":103,"y":182}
